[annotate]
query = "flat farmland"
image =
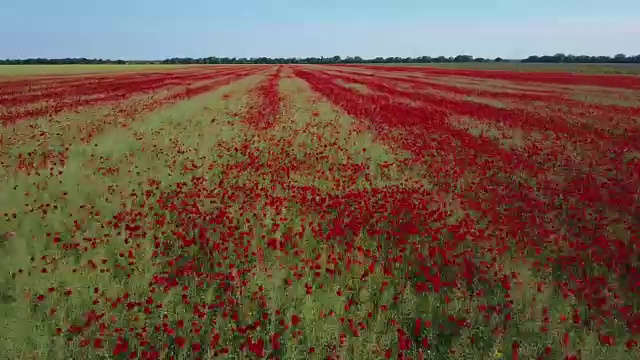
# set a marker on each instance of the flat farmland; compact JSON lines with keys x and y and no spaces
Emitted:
{"x":77,"y":69}
{"x":320,"y":212}
{"x":587,"y":68}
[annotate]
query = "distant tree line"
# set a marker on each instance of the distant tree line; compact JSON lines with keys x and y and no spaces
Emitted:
{"x":557,"y":58}
{"x":65,"y":61}
{"x":327,"y":60}
{"x":562,"y":58}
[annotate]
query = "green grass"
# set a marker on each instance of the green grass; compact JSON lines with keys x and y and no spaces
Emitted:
{"x":34,"y":70}
{"x":622,"y":69}
{"x":25,"y":332}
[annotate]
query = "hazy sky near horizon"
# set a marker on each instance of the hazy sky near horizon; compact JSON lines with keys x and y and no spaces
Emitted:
{"x":158,"y":29}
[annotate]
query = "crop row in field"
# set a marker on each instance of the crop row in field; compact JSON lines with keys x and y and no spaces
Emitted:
{"x":320,"y":212}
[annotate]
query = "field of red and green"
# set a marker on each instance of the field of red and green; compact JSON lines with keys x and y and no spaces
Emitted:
{"x":319,"y":212}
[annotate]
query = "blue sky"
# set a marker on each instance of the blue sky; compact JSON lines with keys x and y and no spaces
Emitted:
{"x":157,"y":29}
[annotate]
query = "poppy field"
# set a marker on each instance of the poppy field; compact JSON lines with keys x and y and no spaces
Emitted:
{"x":319,"y":212}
